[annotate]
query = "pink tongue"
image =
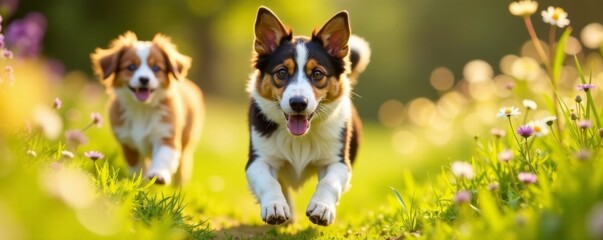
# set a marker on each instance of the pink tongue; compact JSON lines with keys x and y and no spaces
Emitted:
{"x":298,"y":124}
{"x":142,"y":95}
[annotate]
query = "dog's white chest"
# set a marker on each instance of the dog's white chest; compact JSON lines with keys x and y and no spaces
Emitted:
{"x":142,"y":128}
{"x":321,"y":146}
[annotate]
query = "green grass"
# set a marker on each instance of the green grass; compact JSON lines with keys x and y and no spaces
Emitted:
{"x":405,"y":184}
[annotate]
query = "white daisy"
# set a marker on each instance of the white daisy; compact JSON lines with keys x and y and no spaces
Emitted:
{"x":555,"y":16}
{"x":549,"y":120}
{"x":529,"y":104}
{"x":67,"y":154}
{"x":540,"y":128}
{"x":508,"y":112}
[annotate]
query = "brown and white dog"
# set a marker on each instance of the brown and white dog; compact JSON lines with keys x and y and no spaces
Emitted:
{"x":301,"y":117}
{"x":155,"y":111}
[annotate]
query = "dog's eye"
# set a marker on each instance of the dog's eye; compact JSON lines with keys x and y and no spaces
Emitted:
{"x":156,"y":68}
{"x":282,"y":74}
{"x":131,"y":67}
{"x":317,"y":75}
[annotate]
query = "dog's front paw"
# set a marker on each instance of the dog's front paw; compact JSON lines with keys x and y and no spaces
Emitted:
{"x":321,"y":213}
{"x":276,"y":212}
{"x":162,"y":176}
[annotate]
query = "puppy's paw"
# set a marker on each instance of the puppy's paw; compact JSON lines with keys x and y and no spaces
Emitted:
{"x":162,"y":176}
{"x":321,"y":213}
{"x":276,"y":212}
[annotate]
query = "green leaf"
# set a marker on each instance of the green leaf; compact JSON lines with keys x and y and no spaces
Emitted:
{"x":560,"y":56}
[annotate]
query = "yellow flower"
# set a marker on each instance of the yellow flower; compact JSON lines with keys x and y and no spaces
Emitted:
{"x":523,"y":8}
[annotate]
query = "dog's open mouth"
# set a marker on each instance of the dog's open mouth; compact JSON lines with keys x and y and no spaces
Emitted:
{"x":298,"y":124}
{"x":142,"y":93}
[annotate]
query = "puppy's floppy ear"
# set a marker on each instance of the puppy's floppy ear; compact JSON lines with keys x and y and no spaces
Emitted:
{"x":176,"y":63}
{"x":105,"y":61}
{"x":269,"y":32}
{"x":334,"y":35}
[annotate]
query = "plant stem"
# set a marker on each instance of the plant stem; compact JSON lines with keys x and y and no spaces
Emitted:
{"x":536,"y":41}
{"x":525,"y":117}
{"x":552,"y":39}
{"x":513,"y":131}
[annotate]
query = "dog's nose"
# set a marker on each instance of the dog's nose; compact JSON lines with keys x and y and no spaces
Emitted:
{"x":143,"y":80}
{"x":298,"y":104}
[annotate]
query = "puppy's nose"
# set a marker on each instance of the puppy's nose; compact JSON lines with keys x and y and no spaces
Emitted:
{"x":143,"y":80}
{"x":298,"y":104}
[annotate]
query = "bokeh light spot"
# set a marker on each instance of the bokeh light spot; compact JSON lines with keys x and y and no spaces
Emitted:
{"x":573,"y":46}
{"x":525,"y":68}
{"x":592,"y":35}
{"x":421,"y":111}
{"x":477,"y":71}
{"x":442,"y":78}
{"x":391,"y":113}
{"x":506,"y":63}
{"x":528,"y":50}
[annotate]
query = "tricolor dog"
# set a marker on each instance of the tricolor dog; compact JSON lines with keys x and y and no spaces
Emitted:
{"x":155,"y":112}
{"x":301,"y":117}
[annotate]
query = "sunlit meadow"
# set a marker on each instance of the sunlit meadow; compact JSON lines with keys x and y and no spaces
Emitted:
{"x":516,"y":144}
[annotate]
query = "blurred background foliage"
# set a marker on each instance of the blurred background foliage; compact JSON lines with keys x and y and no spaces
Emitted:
{"x":409,"y":38}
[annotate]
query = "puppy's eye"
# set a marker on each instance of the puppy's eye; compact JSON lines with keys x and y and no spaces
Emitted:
{"x":156,"y":68}
{"x":282,"y":74}
{"x":317,"y":75}
{"x":132,"y":67}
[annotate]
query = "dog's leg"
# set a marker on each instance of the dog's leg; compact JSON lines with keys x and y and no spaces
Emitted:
{"x":164,"y":163}
{"x":287,"y":193}
{"x":135,"y":163}
{"x":262,"y":179}
{"x":185,"y":170}
{"x":333,"y":179}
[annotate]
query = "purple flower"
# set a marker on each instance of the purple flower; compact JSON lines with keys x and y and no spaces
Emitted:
{"x":94,"y":155}
{"x":584,"y":124}
{"x":525,"y":131}
{"x":527,"y":178}
{"x":24,"y":36}
{"x":57,"y":103}
{"x":462,"y":197}
{"x":8,"y":54}
{"x":585,"y":87}
{"x":75,"y":138}
{"x":97,"y":119}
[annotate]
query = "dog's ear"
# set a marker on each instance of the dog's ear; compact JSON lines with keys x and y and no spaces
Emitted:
{"x":176,"y":63}
{"x":334,"y":35}
{"x":269,"y":32}
{"x":105,"y":61}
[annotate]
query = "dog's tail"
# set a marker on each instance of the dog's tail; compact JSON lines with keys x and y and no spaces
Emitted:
{"x":360,"y":55}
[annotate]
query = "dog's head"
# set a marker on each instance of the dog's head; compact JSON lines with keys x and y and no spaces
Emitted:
{"x":301,"y":74}
{"x":140,"y":69}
